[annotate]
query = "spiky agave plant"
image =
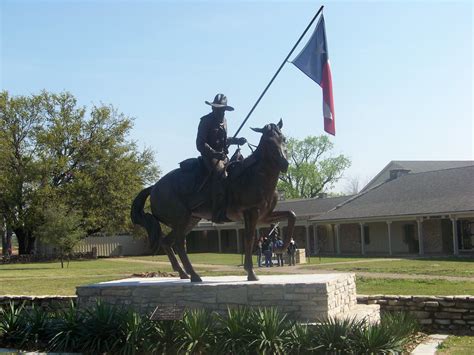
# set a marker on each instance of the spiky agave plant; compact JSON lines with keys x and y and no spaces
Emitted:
{"x":162,"y":337}
{"x":65,"y":330}
{"x":235,"y":331}
{"x":198,"y":333}
{"x":401,"y":324}
{"x":376,"y":339}
{"x":135,"y":332}
{"x":103,"y":328}
{"x":37,"y":325}
{"x":12,"y":324}
{"x":301,"y":340}
{"x":336,"y":334}
{"x":270,"y":331}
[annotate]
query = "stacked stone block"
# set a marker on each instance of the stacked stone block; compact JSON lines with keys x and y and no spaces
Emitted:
{"x":433,"y":312}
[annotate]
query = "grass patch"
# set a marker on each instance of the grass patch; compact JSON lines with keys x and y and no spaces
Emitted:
{"x":50,"y":279}
{"x":437,"y":267}
{"x":369,"y":286}
{"x":203,"y":258}
{"x":459,"y":345}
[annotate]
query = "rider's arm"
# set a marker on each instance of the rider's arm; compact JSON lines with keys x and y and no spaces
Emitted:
{"x":201,"y":139}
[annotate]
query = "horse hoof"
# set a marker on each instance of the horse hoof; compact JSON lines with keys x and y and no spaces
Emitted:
{"x":195,"y":278}
{"x":183,"y":276}
{"x":252,"y":277}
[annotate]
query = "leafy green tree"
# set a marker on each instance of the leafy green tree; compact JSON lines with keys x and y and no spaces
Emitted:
{"x":312,"y":168}
{"x":61,"y":228}
{"x":54,"y":151}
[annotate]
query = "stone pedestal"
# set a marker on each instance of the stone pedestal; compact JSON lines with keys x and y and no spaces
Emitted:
{"x":305,"y":298}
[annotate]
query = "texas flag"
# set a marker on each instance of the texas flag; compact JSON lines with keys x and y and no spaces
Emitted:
{"x":313,"y":60}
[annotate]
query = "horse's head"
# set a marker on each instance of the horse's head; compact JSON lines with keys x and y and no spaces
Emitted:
{"x":272,"y":144}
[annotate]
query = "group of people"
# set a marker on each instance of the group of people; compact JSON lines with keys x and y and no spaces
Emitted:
{"x":272,"y":244}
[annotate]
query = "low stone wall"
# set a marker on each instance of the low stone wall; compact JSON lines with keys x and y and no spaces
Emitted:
{"x":453,"y":313}
{"x":49,"y":303}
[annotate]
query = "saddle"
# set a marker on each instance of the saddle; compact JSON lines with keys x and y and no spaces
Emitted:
{"x":194,"y":182}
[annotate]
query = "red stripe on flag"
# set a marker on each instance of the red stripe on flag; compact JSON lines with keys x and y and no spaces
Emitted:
{"x":326,"y":85}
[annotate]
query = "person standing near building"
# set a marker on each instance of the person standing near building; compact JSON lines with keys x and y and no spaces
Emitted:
{"x":267,"y":251}
{"x":279,"y":251}
{"x":292,"y":252}
{"x":259,"y":251}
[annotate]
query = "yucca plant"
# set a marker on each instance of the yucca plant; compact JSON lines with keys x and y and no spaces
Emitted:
{"x":376,"y":339}
{"x":103,"y":328}
{"x":235,"y":331}
{"x":270,"y":331}
{"x":336,"y":335}
{"x":135,"y":333}
{"x":12,"y":324}
{"x":162,"y":337}
{"x":401,"y":324}
{"x":301,"y":340}
{"x":65,"y":330}
{"x":198,"y":333}
{"x":36,"y":329}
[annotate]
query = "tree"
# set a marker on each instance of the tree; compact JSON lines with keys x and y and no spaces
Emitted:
{"x":56,"y":152}
{"x":61,"y":228}
{"x":312,"y":168}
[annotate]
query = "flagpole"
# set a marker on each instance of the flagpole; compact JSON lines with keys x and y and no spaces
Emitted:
{"x":278,"y":71}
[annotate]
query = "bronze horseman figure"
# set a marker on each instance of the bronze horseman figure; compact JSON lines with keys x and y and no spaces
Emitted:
{"x":212,"y":143}
{"x":210,"y":188}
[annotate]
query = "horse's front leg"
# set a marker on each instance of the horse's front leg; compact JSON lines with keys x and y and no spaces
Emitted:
{"x":250,"y":219}
{"x":277,"y":216}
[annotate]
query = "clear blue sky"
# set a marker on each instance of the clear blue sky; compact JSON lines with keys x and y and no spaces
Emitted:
{"x":402,"y":71}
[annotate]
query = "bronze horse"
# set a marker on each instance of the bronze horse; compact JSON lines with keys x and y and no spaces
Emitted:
{"x":251,"y":197}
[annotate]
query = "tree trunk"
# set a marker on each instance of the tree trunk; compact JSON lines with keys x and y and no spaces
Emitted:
{"x":26,"y":242}
{"x":22,"y":240}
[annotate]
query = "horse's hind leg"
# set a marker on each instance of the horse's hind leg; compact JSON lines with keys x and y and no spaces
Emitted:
{"x":167,"y":244}
{"x":181,"y":250}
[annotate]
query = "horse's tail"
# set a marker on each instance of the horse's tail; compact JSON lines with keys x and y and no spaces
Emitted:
{"x":146,"y":220}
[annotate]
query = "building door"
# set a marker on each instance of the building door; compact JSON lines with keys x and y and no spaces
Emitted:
{"x":410,"y":239}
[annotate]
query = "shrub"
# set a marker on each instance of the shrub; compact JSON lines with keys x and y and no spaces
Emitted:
{"x":235,"y":331}
{"x":102,"y":329}
{"x":270,"y":331}
{"x":335,"y":334}
{"x":198,"y":333}
{"x":301,"y":339}
{"x":36,"y":328}
{"x":65,"y":330}
{"x":12,"y":324}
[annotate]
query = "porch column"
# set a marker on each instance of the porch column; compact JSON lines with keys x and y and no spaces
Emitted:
{"x":455,"y":235}
{"x":315,"y":239}
{"x":219,"y":242}
{"x":237,"y":238}
{"x":308,"y":247}
{"x":389,"y":229}
{"x":362,"y":239}
{"x":419,"y":223}
{"x":338,"y":244}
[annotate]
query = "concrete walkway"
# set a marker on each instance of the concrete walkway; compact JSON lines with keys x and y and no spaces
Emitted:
{"x":429,"y":345}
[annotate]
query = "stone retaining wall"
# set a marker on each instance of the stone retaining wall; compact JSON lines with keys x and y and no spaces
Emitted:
{"x":452,"y":313}
{"x":48,"y":303}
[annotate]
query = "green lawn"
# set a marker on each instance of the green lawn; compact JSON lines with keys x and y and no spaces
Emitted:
{"x":368,"y":286}
{"x":457,"y":345}
{"x":50,"y":279}
{"x":438,"y":267}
